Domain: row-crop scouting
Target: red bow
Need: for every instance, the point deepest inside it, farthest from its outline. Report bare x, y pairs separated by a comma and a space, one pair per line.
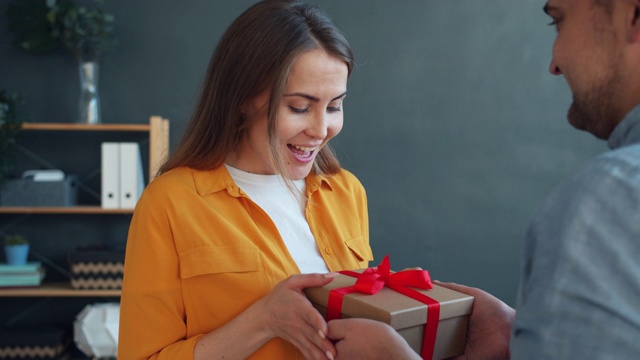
373, 280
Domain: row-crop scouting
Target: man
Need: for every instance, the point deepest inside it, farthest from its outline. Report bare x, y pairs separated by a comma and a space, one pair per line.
579, 294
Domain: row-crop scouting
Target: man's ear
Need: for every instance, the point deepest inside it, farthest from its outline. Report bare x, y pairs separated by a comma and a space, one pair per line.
633, 32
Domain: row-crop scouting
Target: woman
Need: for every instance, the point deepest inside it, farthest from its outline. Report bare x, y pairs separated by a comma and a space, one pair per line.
253, 206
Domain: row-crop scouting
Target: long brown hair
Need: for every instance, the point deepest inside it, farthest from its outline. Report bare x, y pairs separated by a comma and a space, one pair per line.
255, 53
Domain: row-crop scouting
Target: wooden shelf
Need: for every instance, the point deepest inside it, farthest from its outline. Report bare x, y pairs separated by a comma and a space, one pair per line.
62, 210
157, 128
55, 290
85, 127
158, 132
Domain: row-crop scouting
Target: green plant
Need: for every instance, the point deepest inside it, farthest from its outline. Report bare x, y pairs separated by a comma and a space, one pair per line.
40, 25
15, 240
10, 125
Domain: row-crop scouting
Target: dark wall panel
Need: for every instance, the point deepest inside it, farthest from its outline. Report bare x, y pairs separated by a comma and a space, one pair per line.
452, 121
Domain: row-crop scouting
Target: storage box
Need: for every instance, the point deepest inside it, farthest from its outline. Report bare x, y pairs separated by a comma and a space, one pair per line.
406, 315
33, 343
26, 192
98, 269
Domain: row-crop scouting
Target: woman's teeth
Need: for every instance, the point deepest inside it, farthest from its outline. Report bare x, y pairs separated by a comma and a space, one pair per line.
301, 152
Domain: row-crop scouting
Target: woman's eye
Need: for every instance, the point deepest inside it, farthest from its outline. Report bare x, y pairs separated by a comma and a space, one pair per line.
334, 109
298, 110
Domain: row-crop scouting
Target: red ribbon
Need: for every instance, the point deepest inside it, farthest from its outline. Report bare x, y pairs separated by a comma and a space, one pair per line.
373, 280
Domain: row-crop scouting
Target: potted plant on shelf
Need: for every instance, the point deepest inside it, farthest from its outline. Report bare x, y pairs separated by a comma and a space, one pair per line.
16, 249
10, 125
87, 33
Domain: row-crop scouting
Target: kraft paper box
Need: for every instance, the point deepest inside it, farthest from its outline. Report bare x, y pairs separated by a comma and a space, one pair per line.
41, 342
406, 315
96, 269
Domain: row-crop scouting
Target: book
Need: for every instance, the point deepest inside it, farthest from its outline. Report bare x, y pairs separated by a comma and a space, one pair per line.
28, 267
21, 275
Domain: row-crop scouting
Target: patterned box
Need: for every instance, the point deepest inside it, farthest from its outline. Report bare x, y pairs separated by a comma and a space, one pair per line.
32, 344
96, 270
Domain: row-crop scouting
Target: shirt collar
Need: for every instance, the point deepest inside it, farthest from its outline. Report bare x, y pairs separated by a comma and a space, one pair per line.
211, 181
218, 179
314, 182
628, 130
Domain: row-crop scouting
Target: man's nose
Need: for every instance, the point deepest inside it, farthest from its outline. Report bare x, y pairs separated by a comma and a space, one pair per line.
554, 69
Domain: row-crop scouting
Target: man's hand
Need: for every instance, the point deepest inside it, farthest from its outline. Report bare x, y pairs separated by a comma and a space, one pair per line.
368, 340
489, 325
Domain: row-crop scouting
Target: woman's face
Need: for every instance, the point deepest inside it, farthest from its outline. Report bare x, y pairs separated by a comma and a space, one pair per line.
308, 116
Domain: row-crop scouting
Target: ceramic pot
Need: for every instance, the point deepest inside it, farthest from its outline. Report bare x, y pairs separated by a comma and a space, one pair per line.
16, 254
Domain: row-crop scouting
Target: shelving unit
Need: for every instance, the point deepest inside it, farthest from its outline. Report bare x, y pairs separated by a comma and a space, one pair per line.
56, 289
62, 210
158, 129
86, 127
158, 136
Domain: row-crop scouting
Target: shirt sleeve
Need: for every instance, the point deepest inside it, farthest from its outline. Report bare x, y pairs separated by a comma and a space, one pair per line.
580, 287
152, 313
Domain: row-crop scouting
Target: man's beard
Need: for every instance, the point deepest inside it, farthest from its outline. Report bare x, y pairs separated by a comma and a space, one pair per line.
595, 111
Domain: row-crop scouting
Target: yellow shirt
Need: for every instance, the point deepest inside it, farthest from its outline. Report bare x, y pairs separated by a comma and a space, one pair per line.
200, 252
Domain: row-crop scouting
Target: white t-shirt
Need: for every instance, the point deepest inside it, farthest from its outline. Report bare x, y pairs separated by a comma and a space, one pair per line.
287, 212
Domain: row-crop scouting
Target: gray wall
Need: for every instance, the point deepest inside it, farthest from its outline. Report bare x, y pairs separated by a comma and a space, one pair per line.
452, 123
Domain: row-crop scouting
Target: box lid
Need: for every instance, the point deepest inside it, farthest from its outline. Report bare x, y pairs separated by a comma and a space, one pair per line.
96, 256
391, 307
31, 336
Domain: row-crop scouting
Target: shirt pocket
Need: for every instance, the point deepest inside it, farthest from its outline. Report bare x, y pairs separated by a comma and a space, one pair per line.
205, 260
360, 249
218, 283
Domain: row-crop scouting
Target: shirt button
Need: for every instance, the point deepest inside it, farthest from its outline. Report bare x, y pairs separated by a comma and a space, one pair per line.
328, 251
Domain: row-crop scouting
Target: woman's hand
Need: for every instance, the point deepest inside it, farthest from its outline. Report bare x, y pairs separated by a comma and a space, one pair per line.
291, 316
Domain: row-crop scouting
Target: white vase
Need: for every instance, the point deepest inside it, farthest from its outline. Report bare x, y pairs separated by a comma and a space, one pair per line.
89, 104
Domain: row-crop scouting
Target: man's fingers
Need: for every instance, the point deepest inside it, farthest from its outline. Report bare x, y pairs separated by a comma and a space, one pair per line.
338, 329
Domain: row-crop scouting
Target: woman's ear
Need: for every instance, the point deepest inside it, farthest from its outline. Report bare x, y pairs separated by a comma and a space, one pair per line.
256, 105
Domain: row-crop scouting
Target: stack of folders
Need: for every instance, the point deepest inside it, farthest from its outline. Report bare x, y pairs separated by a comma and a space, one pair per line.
30, 274
122, 175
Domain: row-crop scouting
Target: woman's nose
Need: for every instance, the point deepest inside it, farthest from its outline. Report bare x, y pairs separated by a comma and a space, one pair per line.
318, 126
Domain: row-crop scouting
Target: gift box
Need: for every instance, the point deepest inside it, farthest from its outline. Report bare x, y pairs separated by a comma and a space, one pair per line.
97, 269
408, 316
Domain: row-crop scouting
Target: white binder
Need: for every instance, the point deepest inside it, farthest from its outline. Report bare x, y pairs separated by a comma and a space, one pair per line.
131, 175
110, 192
